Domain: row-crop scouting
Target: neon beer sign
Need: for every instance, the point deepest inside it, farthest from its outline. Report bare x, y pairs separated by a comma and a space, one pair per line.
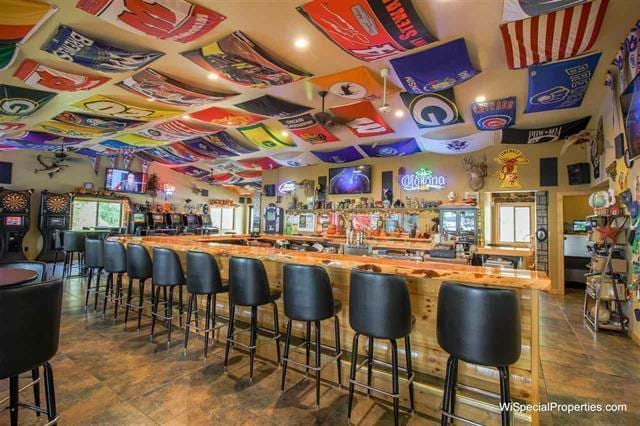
422, 180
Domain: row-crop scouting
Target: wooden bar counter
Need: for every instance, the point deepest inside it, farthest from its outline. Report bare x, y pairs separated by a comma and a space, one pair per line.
424, 280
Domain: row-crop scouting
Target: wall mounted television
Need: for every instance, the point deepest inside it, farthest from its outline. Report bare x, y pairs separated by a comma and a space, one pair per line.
630, 105
120, 180
350, 180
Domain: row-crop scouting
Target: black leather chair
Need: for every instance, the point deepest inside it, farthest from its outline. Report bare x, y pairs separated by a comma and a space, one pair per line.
73, 245
380, 308
203, 278
30, 318
58, 248
115, 262
167, 274
249, 286
308, 297
94, 262
38, 267
139, 267
478, 325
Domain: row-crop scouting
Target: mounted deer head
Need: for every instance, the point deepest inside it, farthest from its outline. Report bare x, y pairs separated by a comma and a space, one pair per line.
477, 171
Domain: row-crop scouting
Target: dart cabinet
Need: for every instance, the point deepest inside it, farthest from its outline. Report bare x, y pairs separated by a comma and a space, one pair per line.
15, 211
55, 215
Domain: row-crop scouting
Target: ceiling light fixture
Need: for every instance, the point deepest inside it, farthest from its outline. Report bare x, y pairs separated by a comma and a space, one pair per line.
301, 43
186, 116
399, 113
481, 99
284, 133
212, 76
150, 99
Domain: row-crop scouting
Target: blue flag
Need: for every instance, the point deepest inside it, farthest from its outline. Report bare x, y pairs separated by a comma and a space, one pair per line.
344, 155
393, 149
494, 115
561, 84
435, 69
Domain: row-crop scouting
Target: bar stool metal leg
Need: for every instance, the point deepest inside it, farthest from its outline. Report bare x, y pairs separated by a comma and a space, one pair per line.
232, 314
369, 364
50, 393
318, 353
95, 304
170, 318
188, 323
504, 394
308, 346
118, 296
352, 375
108, 289
35, 377
276, 330
252, 340
207, 323
88, 290
287, 342
140, 301
128, 301
154, 310
13, 400
407, 351
395, 386
338, 350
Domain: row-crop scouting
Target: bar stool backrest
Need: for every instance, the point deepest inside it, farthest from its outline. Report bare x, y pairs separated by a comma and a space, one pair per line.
167, 269
139, 264
38, 267
379, 305
30, 318
73, 241
115, 257
307, 293
480, 325
248, 282
94, 253
203, 274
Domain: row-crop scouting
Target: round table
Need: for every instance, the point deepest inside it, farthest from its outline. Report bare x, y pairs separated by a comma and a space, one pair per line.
14, 276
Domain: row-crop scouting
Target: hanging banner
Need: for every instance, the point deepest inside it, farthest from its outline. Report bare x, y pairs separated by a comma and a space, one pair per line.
449, 65
137, 140
343, 155
544, 134
513, 10
126, 158
494, 115
356, 83
263, 163
207, 149
165, 157
10, 128
75, 47
557, 35
154, 85
295, 159
369, 29
226, 117
226, 142
227, 178
103, 105
228, 167
251, 175
362, 119
308, 129
95, 122
430, 110
272, 107
112, 160
174, 20
42, 77
193, 171
627, 59
393, 149
71, 130
238, 59
509, 161
180, 150
10, 144
95, 163
47, 138
18, 102
461, 145
8, 54
116, 146
261, 136
561, 84
176, 130
145, 166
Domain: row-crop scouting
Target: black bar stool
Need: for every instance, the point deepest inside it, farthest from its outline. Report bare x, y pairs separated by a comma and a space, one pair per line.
308, 297
380, 308
94, 262
167, 273
38, 305
139, 267
58, 248
249, 286
115, 262
73, 244
203, 277
478, 325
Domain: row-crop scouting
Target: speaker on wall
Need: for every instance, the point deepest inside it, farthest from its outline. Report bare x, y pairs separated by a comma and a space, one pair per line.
241, 200
204, 192
549, 171
579, 173
322, 192
269, 190
5, 172
387, 185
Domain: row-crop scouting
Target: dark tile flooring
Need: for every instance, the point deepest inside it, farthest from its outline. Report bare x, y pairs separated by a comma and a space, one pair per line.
106, 374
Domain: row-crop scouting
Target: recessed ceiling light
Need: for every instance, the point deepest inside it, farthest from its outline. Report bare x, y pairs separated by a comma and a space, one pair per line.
481, 99
284, 133
212, 76
150, 99
301, 43
186, 116
399, 113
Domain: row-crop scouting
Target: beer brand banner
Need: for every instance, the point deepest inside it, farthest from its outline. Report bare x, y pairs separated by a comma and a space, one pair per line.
430, 110
226, 117
176, 130
95, 122
207, 149
513, 10
193, 171
42, 77
494, 115
561, 84
18, 102
369, 29
262, 163
461, 145
362, 119
393, 149
72, 130
356, 83
261, 136
343, 155
137, 140
544, 134
175, 20
272, 107
155, 85
295, 159
103, 105
238, 59
308, 129
75, 47
166, 157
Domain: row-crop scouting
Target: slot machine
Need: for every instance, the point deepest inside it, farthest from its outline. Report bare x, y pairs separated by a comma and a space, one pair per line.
273, 219
190, 222
138, 223
15, 213
206, 221
156, 221
54, 215
174, 220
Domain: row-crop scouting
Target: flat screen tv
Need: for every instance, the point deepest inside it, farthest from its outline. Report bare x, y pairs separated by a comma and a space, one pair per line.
120, 180
630, 104
350, 180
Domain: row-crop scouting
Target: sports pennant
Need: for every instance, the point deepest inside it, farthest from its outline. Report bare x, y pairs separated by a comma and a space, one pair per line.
176, 130
162, 156
362, 119
226, 117
272, 107
513, 10
494, 115
251, 175
43, 77
261, 136
263, 163
393, 149
449, 65
356, 83
461, 145
238, 59
145, 166
112, 159
96, 122
544, 134
126, 158
180, 150
295, 159
137, 140
216, 179
207, 149
156, 86
111, 146
95, 163
8, 54
174, 20
369, 29
225, 141
343, 155
308, 129
103, 105
561, 84
557, 35
18, 102
193, 171
430, 110
627, 59
72, 46
71, 130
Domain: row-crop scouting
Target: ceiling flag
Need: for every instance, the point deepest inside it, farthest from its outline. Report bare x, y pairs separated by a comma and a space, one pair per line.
512, 10
355, 83
308, 129
544, 134
43, 77
392, 149
272, 107
343, 155
430, 110
461, 145
494, 115
263, 137
362, 119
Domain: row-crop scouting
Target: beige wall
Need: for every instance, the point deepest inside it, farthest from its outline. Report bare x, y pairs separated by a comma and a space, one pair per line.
576, 207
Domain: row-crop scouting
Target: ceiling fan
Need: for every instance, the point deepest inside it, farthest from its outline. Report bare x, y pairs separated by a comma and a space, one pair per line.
61, 154
384, 106
324, 117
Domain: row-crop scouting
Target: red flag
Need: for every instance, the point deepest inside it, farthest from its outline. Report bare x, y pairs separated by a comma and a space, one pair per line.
362, 119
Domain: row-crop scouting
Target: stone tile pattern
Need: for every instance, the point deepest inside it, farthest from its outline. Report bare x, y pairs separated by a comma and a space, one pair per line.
542, 221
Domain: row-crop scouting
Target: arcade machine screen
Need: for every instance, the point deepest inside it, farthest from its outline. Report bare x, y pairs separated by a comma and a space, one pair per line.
13, 220
192, 221
206, 220
139, 218
158, 220
56, 222
176, 220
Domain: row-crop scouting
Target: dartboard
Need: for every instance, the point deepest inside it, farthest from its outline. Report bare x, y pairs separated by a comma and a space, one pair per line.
57, 204
14, 202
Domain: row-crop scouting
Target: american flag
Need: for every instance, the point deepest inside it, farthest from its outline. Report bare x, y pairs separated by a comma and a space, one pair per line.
557, 35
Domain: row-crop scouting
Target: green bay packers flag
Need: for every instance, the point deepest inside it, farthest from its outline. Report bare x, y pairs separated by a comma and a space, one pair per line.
17, 102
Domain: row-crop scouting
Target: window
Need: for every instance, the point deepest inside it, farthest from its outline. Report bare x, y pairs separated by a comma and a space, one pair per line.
222, 218
92, 214
514, 223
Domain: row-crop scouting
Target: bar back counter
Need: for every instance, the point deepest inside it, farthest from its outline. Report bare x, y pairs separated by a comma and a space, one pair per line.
476, 383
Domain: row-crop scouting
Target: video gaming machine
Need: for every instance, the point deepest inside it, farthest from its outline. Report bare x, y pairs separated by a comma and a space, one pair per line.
174, 220
273, 218
55, 216
138, 223
15, 212
190, 222
156, 220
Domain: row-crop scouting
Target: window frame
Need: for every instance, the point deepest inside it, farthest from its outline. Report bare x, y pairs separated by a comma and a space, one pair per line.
496, 224
218, 210
97, 216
